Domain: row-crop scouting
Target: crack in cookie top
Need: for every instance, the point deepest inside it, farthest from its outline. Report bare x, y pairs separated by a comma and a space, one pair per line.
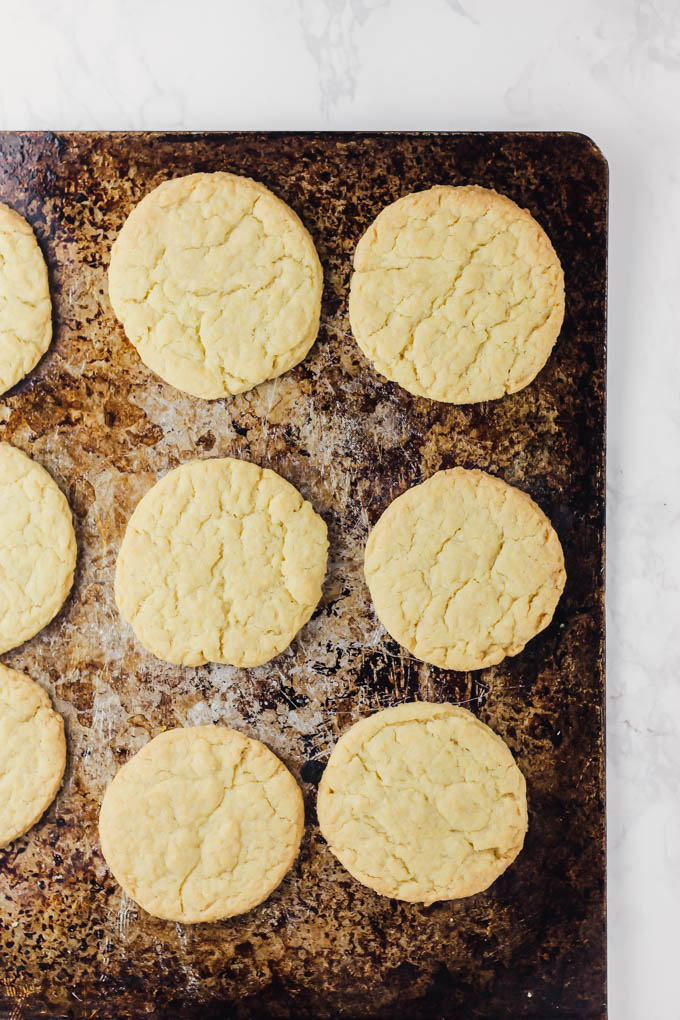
217, 284
457, 294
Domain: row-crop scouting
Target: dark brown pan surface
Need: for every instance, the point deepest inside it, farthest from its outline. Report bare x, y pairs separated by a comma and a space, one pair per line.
106, 428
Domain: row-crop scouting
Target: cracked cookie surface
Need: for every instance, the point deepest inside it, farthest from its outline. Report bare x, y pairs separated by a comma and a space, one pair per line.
25, 306
32, 753
464, 569
222, 561
37, 547
423, 802
217, 284
457, 294
202, 823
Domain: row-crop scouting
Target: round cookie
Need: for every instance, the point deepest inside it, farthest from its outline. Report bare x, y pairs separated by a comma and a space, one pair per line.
201, 824
32, 754
217, 284
457, 295
37, 548
25, 306
423, 802
222, 561
464, 569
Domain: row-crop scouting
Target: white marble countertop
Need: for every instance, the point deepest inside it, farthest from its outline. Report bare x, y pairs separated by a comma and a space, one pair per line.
608, 68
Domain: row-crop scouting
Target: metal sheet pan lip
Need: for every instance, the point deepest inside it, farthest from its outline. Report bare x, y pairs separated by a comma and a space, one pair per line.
344, 133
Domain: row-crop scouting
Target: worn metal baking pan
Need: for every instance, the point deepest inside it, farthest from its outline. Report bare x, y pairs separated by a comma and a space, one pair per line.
533, 945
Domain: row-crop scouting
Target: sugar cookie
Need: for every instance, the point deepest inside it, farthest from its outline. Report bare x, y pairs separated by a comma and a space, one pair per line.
464, 569
457, 295
201, 824
423, 802
217, 284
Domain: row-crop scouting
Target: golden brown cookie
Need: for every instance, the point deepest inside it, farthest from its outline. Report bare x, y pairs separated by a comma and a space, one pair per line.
32, 753
222, 561
423, 802
25, 306
201, 824
217, 284
37, 547
464, 569
457, 294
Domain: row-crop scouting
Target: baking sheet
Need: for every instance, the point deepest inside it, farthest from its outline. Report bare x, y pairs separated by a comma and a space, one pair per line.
71, 944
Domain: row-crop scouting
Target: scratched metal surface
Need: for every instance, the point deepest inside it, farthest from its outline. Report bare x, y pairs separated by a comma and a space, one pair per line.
70, 944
